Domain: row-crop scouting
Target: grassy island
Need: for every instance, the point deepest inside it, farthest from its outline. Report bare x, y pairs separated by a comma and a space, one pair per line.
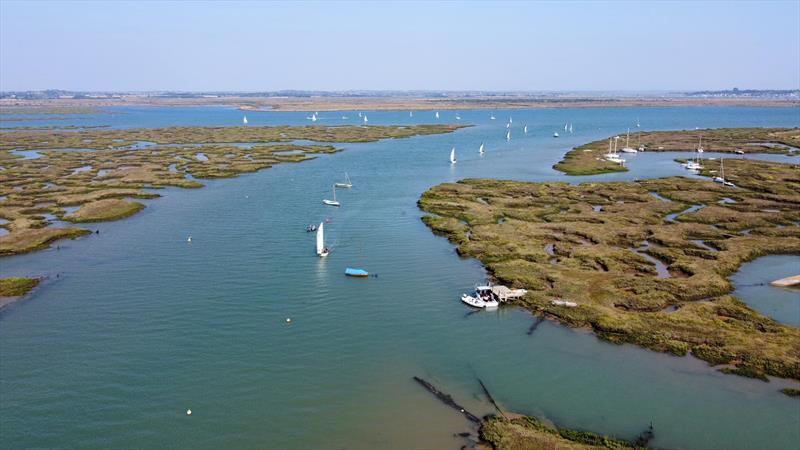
529, 433
647, 261
588, 159
16, 287
90, 175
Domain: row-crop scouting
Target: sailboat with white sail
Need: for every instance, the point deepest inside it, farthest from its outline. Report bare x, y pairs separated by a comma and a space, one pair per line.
612, 155
244, 120
347, 183
508, 135
721, 177
565, 126
453, 156
332, 202
314, 117
492, 117
322, 251
700, 145
480, 149
365, 119
437, 114
570, 127
525, 129
411, 114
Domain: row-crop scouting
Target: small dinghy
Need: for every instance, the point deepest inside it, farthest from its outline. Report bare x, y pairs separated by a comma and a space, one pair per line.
322, 250
311, 228
350, 272
483, 297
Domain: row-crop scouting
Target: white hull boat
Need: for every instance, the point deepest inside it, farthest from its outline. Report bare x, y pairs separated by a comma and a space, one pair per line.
347, 183
332, 202
483, 297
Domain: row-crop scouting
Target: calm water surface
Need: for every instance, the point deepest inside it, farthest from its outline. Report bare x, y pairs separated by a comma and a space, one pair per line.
142, 325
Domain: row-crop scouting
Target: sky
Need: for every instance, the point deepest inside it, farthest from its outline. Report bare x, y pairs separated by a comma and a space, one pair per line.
512, 46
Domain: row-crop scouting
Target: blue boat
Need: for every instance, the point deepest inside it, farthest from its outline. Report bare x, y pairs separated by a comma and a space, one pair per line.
350, 272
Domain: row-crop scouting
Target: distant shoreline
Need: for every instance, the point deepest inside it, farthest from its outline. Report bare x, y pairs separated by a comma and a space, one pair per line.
326, 103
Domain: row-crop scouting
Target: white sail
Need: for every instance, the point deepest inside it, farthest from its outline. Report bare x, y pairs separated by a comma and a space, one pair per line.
508, 125
570, 128
508, 135
244, 120
510, 120
359, 114
525, 129
320, 238
637, 123
314, 117
480, 150
453, 156
411, 114
492, 117
437, 114
565, 126
365, 118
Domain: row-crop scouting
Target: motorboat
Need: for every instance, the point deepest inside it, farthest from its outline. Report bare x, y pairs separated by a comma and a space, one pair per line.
350, 272
483, 297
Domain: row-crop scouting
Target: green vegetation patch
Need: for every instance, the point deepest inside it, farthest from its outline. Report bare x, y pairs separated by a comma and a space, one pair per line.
636, 276
16, 287
104, 210
529, 433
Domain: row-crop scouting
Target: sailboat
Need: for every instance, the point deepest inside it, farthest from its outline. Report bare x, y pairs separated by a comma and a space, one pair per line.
480, 149
332, 202
365, 119
411, 114
453, 156
347, 183
360, 115
627, 148
639, 141
492, 117
525, 129
555, 135
570, 127
613, 156
721, 177
700, 145
437, 114
508, 124
314, 117
458, 117
565, 126
510, 120
508, 135
322, 251
244, 120
637, 123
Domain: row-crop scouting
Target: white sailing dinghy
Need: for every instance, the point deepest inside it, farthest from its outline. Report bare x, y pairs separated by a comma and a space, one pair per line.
700, 145
314, 117
244, 120
565, 126
492, 117
510, 120
411, 114
453, 156
365, 119
458, 117
347, 183
322, 251
570, 127
508, 135
332, 202
525, 129
480, 149
437, 114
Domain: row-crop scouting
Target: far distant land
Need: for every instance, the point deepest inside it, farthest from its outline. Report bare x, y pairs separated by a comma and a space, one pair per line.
400, 100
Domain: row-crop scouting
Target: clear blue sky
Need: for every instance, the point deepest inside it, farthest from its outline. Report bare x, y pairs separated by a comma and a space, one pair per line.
251, 46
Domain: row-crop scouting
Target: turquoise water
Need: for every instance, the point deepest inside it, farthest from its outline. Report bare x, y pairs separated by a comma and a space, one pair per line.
752, 286
141, 325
